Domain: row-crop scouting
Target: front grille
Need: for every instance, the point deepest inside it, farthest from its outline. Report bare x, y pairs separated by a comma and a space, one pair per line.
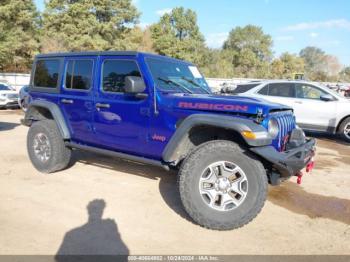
286, 123
12, 103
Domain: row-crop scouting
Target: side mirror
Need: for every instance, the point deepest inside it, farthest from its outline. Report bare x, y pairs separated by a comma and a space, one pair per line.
327, 98
134, 85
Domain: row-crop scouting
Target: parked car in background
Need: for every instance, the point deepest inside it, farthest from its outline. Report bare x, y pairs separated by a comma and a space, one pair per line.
8, 96
347, 92
24, 98
227, 86
316, 107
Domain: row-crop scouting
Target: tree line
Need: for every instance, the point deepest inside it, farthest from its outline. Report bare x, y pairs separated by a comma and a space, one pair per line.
80, 25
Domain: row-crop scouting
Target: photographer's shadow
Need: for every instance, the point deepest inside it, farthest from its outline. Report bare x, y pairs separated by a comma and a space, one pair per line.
96, 237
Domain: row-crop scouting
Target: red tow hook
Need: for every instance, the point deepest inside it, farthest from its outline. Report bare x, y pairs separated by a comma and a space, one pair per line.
310, 166
299, 176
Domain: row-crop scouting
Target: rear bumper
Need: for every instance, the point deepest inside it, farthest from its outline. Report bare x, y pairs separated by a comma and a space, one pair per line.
290, 162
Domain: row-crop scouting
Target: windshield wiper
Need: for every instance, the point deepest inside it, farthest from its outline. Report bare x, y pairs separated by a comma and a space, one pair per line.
168, 81
195, 84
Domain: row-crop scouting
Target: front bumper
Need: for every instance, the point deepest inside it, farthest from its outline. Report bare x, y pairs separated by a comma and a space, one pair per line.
9, 103
290, 162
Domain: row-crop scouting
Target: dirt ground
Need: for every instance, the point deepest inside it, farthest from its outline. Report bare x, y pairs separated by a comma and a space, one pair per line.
142, 213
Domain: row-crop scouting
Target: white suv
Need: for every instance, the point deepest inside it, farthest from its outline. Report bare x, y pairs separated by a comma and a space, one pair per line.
316, 107
8, 96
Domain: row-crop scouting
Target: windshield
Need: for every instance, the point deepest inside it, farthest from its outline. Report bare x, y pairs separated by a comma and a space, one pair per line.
329, 90
4, 87
172, 76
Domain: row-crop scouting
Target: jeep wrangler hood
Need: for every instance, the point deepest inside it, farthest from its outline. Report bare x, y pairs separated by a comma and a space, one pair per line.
212, 102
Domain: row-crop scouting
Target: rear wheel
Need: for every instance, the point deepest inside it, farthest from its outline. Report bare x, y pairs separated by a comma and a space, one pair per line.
222, 187
46, 148
344, 130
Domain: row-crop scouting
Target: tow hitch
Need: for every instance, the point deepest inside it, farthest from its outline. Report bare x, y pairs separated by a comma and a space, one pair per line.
299, 176
309, 167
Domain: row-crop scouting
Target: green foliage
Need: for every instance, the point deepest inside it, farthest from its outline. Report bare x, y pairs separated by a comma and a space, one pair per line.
77, 25
177, 35
91, 24
18, 34
314, 58
250, 50
345, 74
219, 64
146, 43
250, 38
286, 65
314, 62
319, 66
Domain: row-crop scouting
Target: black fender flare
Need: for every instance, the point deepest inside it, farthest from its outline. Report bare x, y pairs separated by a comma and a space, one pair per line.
55, 111
173, 151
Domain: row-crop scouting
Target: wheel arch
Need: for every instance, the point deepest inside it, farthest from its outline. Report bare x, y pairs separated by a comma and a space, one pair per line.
40, 110
340, 122
200, 128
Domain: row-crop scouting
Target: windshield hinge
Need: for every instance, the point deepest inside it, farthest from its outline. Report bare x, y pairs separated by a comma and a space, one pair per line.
259, 116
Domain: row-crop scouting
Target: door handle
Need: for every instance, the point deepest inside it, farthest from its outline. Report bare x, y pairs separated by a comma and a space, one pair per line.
67, 101
298, 102
101, 105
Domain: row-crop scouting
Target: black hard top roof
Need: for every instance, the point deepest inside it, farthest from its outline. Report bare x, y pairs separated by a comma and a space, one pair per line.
110, 53
90, 53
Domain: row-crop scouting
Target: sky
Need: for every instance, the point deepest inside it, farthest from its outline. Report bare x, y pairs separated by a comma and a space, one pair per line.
293, 24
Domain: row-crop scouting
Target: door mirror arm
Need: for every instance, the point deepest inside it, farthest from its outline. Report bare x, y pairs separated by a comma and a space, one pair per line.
141, 95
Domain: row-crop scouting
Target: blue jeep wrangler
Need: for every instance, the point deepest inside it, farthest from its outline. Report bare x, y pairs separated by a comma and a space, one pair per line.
160, 111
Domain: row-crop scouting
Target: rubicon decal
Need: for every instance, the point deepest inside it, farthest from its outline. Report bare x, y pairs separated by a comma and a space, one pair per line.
207, 106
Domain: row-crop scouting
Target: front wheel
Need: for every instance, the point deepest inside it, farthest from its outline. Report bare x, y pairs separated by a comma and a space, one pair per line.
221, 186
46, 148
344, 130
23, 104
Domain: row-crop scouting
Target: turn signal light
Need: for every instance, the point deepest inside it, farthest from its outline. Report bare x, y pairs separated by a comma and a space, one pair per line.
248, 134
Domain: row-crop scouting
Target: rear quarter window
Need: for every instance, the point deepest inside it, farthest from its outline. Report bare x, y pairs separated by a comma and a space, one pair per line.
244, 88
47, 73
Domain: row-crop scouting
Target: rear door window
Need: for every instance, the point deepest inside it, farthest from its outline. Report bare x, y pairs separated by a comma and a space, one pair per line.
281, 89
46, 73
264, 91
244, 88
79, 74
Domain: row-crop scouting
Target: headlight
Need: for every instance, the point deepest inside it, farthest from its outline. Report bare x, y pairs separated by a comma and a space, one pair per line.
273, 128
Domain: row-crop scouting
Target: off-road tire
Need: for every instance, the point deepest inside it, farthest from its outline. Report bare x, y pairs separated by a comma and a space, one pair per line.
188, 182
60, 154
345, 123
